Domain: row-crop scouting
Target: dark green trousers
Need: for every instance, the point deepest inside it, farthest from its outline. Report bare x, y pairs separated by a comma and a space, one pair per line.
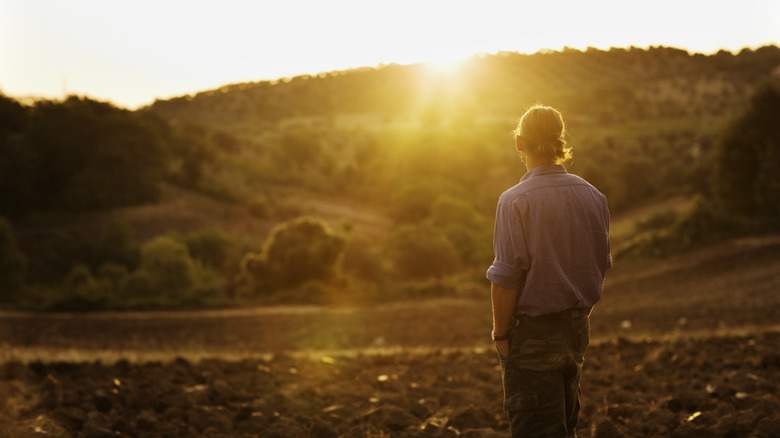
541, 374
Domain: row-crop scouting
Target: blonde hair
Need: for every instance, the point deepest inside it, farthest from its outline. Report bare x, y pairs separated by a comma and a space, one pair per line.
543, 133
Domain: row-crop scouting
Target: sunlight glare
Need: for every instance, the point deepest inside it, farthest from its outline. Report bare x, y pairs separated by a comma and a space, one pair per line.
444, 67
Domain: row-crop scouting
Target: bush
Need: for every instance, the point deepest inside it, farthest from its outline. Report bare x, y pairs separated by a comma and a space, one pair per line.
421, 251
361, 259
209, 247
302, 249
137, 286
447, 210
113, 274
117, 245
82, 292
169, 267
412, 202
78, 276
474, 246
705, 223
296, 251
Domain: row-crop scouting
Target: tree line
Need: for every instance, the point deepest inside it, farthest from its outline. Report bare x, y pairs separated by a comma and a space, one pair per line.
81, 154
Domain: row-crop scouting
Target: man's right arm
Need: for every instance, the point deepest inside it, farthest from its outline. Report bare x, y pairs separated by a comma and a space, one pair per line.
508, 269
503, 300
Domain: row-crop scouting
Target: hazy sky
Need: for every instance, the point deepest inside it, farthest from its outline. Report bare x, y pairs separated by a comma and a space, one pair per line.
131, 52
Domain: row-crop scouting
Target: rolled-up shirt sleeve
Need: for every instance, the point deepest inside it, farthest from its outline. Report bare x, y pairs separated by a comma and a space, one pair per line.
511, 263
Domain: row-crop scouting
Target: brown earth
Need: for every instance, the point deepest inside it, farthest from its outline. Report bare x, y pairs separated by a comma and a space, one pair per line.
683, 347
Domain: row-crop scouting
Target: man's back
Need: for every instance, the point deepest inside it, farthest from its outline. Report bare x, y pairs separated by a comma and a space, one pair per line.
551, 241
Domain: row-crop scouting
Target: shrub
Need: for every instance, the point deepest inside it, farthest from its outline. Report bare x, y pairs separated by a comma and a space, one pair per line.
208, 246
412, 203
474, 246
137, 286
113, 274
421, 251
117, 245
468, 230
78, 276
82, 292
361, 259
705, 223
447, 210
296, 251
302, 249
253, 276
169, 266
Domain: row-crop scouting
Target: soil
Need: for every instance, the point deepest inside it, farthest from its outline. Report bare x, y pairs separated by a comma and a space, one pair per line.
682, 347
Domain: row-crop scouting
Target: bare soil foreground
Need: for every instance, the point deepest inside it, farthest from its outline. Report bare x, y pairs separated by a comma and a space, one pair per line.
684, 347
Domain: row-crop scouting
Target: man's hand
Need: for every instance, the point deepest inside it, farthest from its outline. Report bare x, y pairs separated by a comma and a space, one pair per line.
503, 347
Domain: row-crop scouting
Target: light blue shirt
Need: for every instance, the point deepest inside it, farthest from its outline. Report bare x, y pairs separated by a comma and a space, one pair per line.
551, 242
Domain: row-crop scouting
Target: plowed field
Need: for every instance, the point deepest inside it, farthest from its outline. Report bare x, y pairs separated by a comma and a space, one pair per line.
684, 347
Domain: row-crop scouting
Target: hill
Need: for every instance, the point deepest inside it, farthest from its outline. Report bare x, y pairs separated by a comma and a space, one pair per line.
378, 155
358, 132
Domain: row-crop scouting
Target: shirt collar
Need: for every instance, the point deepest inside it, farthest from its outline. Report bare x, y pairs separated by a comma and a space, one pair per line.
544, 170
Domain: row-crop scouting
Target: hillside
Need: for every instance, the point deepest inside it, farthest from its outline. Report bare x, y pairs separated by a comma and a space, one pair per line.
97, 196
357, 132
657, 83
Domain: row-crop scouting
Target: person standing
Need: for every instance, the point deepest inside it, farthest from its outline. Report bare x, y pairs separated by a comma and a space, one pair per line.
551, 246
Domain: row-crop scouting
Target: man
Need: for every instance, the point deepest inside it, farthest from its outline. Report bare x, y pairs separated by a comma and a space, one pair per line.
551, 247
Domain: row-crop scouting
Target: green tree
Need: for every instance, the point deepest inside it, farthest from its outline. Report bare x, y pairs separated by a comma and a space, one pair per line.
91, 154
746, 176
11, 263
17, 160
193, 150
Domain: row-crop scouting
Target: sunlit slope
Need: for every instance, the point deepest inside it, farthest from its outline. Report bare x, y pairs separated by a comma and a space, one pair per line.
619, 84
642, 123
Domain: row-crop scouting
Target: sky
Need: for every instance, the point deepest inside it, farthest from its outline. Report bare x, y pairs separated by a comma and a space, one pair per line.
133, 52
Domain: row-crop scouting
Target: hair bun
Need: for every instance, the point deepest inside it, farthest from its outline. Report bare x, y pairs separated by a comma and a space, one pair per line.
544, 133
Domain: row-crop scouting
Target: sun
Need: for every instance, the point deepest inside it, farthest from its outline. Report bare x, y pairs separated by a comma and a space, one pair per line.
444, 67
